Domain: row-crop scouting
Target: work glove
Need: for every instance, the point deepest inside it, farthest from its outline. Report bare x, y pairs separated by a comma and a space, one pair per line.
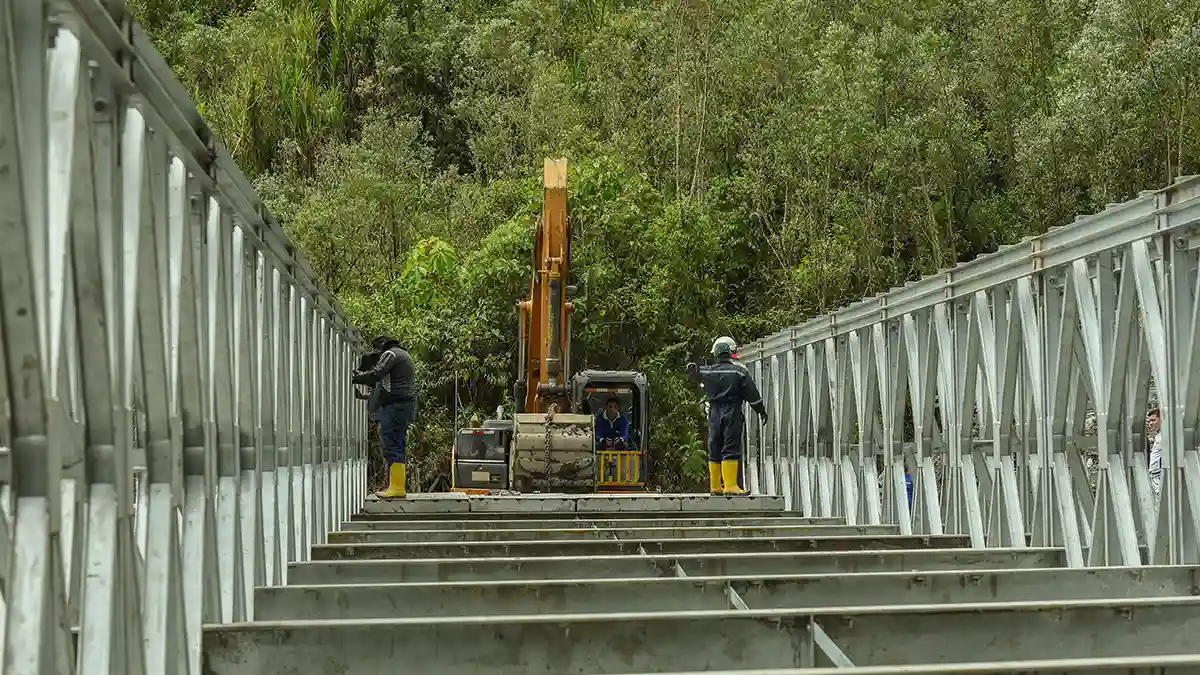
762, 418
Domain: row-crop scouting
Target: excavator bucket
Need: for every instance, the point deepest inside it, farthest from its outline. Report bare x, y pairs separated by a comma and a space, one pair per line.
553, 453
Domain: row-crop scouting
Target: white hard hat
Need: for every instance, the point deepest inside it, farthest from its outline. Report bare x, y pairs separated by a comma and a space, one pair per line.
724, 345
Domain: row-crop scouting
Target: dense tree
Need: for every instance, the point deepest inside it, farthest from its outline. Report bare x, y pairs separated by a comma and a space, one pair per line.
737, 165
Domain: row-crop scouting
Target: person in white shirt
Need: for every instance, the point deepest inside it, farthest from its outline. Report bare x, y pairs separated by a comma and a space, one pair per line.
1152, 429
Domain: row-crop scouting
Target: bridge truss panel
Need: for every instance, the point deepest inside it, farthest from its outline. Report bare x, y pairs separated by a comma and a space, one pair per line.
171, 372
1011, 391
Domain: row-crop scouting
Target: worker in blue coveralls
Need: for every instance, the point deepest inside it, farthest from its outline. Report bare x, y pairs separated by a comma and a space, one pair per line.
728, 386
612, 427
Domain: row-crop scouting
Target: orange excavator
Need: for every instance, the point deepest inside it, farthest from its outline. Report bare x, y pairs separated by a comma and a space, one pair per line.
549, 444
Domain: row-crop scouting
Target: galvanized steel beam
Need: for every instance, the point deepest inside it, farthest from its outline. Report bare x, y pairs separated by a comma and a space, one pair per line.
633, 566
491, 549
155, 461
674, 593
362, 524
1159, 665
585, 532
665, 641
1010, 390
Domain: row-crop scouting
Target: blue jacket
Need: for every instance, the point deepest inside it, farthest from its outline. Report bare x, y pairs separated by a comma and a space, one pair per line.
618, 428
727, 383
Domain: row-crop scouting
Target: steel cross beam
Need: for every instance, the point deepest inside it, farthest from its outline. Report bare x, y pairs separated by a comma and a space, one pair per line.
1011, 391
169, 366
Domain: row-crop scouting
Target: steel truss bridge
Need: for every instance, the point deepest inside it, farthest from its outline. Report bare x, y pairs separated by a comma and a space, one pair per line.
182, 463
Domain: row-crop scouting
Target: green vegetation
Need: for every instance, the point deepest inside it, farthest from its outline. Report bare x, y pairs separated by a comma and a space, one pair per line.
737, 165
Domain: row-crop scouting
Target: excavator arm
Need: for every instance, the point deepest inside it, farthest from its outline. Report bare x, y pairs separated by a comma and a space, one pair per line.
545, 317
552, 447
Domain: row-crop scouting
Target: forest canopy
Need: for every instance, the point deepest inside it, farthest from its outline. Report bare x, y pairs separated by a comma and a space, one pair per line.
736, 165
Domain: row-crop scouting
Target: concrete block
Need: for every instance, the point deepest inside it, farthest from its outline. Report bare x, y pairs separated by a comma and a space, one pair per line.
419, 503
589, 596
640, 567
663, 642
523, 504
582, 531
658, 503
489, 549
744, 504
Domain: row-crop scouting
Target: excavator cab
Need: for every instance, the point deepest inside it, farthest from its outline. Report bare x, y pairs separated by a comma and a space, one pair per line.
486, 460
621, 467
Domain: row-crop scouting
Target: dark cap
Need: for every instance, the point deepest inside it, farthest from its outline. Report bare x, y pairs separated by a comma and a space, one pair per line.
384, 341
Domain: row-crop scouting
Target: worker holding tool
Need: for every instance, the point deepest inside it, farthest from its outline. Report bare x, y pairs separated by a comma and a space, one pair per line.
393, 394
727, 385
365, 392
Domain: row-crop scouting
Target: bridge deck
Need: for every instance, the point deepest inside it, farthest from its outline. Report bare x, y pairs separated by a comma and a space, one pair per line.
591, 591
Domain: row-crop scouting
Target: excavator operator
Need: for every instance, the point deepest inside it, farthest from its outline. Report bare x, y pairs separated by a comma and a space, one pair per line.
612, 426
728, 385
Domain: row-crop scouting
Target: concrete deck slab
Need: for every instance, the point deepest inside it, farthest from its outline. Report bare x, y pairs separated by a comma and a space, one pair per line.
641, 567
455, 502
487, 549
675, 641
585, 532
482, 522
378, 601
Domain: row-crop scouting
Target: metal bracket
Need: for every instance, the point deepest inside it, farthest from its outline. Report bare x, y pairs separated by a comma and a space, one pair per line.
827, 646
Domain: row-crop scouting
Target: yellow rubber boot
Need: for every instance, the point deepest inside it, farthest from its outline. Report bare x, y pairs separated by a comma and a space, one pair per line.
714, 478
396, 477
729, 470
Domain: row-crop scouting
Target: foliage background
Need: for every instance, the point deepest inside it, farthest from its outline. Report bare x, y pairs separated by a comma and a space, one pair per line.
736, 165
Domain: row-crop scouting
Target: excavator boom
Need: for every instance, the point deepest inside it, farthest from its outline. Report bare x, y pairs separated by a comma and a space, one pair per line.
546, 342
552, 447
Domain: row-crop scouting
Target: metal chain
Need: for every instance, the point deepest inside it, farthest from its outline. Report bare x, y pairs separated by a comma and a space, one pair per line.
549, 418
